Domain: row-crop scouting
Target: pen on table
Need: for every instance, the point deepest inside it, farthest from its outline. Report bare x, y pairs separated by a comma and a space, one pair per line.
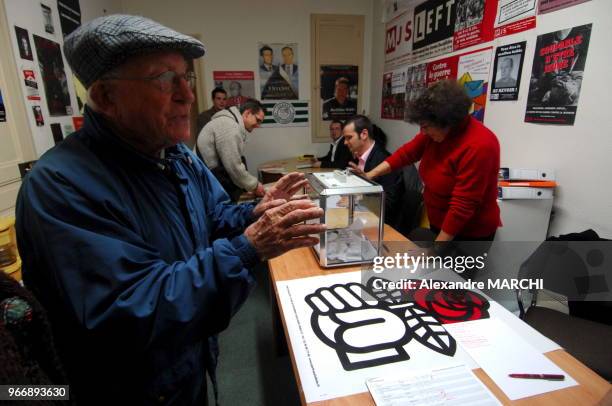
550, 377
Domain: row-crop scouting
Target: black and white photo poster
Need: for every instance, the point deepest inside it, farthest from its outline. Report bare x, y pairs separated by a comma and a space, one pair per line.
278, 71
54, 77
23, 43
47, 15
556, 76
507, 69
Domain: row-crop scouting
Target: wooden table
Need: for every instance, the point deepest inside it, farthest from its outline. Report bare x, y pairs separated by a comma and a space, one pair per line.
300, 263
271, 171
290, 165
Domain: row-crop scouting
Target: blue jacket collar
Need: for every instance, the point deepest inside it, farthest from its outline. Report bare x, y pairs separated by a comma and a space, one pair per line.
96, 126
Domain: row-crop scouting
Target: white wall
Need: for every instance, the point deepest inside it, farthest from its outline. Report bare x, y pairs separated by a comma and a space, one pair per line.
91, 9
580, 154
231, 29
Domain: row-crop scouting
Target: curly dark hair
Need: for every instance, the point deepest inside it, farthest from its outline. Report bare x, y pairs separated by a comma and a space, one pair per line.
444, 104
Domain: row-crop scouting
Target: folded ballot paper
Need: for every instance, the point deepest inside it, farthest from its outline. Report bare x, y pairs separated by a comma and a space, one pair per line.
452, 385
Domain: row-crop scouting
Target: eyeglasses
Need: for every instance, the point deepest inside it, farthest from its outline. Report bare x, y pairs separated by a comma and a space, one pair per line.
167, 82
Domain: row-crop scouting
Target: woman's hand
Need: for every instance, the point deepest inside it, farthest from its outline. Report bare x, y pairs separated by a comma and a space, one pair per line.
357, 171
382, 169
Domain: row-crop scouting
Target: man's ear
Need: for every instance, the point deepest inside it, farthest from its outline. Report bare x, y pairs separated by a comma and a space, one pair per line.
364, 134
101, 94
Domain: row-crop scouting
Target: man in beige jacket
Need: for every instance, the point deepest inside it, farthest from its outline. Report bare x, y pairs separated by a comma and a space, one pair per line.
221, 144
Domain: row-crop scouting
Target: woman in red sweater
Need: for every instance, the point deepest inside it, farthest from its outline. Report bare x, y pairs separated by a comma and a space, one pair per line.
459, 164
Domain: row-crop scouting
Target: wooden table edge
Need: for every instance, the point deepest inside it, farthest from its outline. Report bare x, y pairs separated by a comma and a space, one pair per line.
594, 391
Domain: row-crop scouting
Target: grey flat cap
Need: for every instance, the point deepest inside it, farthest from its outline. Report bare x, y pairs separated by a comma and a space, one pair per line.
106, 42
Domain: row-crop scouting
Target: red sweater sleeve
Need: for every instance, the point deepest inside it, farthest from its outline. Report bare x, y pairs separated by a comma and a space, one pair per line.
470, 185
409, 153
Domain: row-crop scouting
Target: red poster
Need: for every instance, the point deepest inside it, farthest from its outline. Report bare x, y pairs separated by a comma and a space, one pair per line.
516, 27
239, 85
442, 69
78, 123
474, 23
31, 85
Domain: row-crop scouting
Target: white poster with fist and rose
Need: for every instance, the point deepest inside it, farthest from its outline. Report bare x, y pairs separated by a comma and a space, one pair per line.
344, 330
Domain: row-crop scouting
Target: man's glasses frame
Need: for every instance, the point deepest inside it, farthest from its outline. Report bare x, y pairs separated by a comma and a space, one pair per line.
167, 82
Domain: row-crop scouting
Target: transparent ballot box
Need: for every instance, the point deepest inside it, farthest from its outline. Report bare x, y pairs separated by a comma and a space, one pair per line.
353, 208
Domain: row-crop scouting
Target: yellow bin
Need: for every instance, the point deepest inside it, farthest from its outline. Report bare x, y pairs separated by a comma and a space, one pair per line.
10, 262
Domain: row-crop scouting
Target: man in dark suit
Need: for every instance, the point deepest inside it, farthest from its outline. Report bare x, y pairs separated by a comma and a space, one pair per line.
358, 137
339, 155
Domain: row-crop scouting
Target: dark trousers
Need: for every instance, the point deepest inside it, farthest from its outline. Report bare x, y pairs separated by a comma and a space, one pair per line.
466, 247
224, 179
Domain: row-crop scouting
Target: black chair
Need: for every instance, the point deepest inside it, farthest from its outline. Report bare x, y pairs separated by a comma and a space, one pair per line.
411, 204
568, 270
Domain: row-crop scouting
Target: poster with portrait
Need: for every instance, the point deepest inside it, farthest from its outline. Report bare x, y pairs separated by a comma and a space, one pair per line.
393, 97
556, 76
31, 85
54, 77
507, 69
2, 109
339, 91
23, 43
70, 15
278, 71
514, 16
239, 85
47, 17
548, 6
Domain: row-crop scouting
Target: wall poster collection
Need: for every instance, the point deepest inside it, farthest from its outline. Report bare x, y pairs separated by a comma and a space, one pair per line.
47, 83
420, 32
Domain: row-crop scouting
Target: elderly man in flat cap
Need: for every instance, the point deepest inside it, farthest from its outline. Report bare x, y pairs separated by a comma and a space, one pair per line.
127, 238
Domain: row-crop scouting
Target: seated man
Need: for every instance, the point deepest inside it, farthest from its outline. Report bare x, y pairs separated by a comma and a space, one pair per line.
221, 144
358, 136
339, 155
128, 240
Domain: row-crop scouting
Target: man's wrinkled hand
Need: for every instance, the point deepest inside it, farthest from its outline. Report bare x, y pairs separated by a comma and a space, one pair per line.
281, 228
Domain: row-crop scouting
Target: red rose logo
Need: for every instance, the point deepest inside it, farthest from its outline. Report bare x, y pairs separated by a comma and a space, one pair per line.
450, 306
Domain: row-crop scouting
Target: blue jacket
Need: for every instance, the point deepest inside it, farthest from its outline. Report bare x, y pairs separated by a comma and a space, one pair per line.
139, 261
